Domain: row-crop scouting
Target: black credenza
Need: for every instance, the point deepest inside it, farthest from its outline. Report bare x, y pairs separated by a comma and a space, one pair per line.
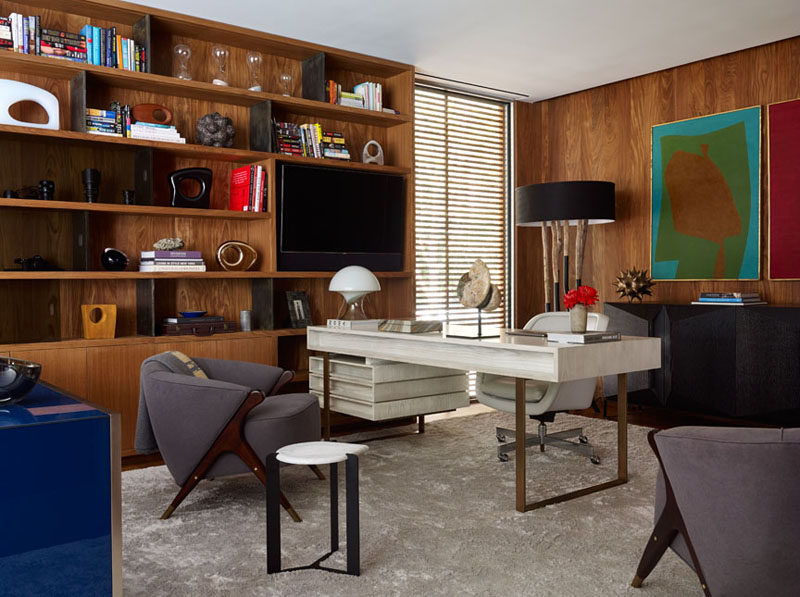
735, 361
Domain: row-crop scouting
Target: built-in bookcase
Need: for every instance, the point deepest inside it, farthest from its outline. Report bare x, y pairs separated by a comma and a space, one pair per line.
40, 318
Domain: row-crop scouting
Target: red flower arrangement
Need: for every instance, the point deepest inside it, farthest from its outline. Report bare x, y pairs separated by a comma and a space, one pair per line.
585, 295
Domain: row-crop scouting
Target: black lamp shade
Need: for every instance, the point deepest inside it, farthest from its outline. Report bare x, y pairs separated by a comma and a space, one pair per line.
591, 200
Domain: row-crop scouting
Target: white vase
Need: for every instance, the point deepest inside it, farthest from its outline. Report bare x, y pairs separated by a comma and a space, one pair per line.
577, 319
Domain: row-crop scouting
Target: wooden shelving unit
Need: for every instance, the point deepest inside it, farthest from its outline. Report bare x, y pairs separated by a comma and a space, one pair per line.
40, 319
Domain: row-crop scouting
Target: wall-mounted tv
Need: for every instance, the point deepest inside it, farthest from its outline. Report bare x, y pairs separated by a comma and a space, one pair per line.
328, 218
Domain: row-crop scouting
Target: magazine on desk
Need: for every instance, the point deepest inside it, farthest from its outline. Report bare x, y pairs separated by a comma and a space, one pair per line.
584, 338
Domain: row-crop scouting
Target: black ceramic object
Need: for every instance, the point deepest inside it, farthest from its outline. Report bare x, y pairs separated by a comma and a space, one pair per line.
10, 194
91, 184
114, 260
128, 197
216, 130
17, 378
37, 263
47, 189
202, 176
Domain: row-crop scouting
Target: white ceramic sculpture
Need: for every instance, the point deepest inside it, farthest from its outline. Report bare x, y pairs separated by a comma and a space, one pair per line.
12, 92
368, 158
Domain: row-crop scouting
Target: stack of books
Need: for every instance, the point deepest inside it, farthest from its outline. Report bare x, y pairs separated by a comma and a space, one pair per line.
92, 45
729, 299
113, 123
154, 132
343, 98
248, 189
171, 261
583, 338
288, 138
310, 140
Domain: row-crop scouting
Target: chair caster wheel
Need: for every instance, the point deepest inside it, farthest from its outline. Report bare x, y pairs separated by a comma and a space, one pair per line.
583, 439
502, 457
500, 437
594, 460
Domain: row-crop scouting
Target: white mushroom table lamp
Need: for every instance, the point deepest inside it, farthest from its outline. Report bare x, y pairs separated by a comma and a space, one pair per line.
354, 283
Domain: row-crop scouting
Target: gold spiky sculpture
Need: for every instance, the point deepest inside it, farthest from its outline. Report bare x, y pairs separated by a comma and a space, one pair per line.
634, 284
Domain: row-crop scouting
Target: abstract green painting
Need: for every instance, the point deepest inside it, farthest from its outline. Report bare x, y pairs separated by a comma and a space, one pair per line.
706, 195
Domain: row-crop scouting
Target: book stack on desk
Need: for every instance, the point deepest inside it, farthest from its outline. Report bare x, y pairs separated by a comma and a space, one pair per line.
583, 338
729, 299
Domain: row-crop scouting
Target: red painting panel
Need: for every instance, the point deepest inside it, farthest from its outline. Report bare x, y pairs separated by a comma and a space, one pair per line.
784, 190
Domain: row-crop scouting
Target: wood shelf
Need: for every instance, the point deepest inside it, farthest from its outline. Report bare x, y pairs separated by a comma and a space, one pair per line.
134, 275
331, 274
117, 77
178, 149
131, 275
173, 23
134, 340
185, 149
134, 210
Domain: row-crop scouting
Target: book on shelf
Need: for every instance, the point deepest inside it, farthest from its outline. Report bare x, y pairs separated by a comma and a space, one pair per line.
755, 299
358, 324
171, 262
732, 295
372, 94
171, 255
410, 326
583, 338
730, 303
248, 189
203, 319
100, 46
310, 140
172, 268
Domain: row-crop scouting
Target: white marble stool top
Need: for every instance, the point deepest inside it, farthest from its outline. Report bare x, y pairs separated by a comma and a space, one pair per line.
318, 452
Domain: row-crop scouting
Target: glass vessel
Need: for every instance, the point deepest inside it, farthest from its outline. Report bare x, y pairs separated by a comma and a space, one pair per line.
220, 54
180, 63
254, 61
286, 79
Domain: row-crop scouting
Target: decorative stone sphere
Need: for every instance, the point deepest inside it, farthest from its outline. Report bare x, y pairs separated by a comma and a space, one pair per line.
215, 130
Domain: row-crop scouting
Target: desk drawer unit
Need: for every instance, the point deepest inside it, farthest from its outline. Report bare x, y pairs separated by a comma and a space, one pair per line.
377, 389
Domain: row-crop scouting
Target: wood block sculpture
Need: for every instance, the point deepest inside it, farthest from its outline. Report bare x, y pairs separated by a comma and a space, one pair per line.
99, 321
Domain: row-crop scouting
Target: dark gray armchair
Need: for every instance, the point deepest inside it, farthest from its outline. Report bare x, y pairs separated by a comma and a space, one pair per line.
226, 424
728, 503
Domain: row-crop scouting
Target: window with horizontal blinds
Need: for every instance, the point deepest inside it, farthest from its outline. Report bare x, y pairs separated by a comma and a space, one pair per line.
461, 177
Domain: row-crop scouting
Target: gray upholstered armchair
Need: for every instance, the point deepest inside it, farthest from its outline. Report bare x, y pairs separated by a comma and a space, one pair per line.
727, 503
226, 424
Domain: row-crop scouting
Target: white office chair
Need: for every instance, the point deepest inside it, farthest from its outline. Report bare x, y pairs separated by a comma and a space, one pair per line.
543, 399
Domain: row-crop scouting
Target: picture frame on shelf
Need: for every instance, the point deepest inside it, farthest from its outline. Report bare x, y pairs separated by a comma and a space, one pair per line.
706, 197
299, 309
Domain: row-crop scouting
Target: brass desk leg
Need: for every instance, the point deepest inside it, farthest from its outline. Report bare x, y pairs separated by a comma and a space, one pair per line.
326, 396
519, 434
622, 450
622, 427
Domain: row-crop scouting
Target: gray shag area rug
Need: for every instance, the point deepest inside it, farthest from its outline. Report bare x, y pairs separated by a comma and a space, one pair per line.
437, 518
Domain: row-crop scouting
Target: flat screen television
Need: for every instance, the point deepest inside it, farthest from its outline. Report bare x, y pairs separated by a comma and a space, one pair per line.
328, 218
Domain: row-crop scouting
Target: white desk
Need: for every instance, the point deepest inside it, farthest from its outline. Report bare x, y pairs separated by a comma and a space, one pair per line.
521, 357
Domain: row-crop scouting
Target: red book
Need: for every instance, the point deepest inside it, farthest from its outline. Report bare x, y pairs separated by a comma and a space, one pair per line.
240, 188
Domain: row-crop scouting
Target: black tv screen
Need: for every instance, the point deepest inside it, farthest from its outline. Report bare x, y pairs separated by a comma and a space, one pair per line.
329, 218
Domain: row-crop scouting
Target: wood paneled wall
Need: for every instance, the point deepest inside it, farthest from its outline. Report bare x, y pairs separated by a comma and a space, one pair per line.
604, 134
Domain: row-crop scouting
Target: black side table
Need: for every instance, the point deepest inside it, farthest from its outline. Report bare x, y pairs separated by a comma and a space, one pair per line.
316, 453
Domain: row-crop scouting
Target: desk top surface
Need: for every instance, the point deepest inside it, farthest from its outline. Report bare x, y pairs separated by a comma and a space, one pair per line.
46, 404
513, 342
518, 356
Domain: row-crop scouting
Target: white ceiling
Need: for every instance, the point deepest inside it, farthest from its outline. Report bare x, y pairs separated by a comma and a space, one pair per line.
542, 48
